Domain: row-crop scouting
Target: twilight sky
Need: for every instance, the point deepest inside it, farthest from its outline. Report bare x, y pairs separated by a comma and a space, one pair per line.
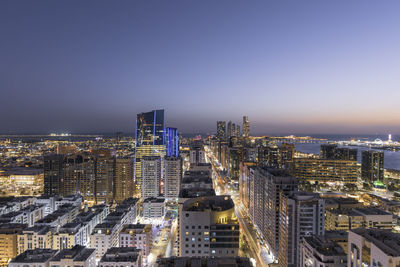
291, 66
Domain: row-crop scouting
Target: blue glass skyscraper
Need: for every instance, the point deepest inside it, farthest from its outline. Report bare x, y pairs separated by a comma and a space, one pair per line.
171, 142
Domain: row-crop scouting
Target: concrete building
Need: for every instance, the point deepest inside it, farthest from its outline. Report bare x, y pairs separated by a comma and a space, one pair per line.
123, 179
320, 251
9, 241
104, 236
373, 247
372, 166
126, 256
172, 176
151, 176
302, 214
35, 237
153, 208
69, 235
137, 235
208, 227
38, 257
76, 256
204, 262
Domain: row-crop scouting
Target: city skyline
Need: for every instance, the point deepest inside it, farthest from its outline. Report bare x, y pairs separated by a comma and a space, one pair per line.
291, 67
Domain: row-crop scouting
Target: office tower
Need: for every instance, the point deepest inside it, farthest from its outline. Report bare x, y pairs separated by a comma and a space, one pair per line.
267, 187
302, 214
325, 170
221, 130
246, 126
373, 247
149, 140
208, 227
53, 174
316, 251
197, 153
172, 176
123, 179
328, 151
372, 166
171, 142
151, 181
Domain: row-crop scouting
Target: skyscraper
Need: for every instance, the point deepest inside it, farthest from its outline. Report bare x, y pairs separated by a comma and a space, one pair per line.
221, 129
372, 166
149, 139
230, 128
53, 174
151, 180
171, 142
246, 126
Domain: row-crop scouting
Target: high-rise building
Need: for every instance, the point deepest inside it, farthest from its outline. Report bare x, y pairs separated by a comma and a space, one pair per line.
197, 153
123, 179
209, 227
265, 198
221, 130
172, 176
53, 174
332, 151
372, 166
230, 129
104, 173
172, 142
151, 181
246, 126
149, 140
328, 151
302, 214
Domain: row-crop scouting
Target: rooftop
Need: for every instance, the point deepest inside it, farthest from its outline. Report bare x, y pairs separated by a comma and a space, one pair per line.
77, 253
121, 254
37, 255
324, 246
213, 203
196, 192
154, 200
385, 240
204, 262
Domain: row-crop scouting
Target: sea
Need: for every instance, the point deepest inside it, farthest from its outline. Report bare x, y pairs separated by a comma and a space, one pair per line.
391, 159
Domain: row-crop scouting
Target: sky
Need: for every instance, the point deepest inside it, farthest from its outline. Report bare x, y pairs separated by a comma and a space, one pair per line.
290, 66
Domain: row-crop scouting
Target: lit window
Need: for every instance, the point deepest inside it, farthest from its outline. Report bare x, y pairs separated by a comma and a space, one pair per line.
206, 233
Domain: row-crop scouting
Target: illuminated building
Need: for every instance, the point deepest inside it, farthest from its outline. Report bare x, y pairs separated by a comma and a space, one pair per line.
373, 247
172, 176
317, 251
204, 261
325, 170
332, 151
197, 153
302, 214
76, 256
221, 130
171, 142
35, 237
9, 241
246, 127
265, 192
125, 256
104, 236
208, 227
123, 179
244, 182
104, 173
138, 236
69, 235
273, 156
231, 129
33, 258
151, 180
358, 217
53, 174
149, 139
372, 168
153, 208
28, 215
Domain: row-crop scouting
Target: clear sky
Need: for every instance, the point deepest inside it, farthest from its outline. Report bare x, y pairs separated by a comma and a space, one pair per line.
291, 66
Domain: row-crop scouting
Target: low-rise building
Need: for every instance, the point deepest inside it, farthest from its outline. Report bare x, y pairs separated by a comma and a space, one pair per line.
76, 256
137, 235
33, 258
373, 247
204, 262
320, 251
116, 257
9, 241
38, 236
104, 236
153, 208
